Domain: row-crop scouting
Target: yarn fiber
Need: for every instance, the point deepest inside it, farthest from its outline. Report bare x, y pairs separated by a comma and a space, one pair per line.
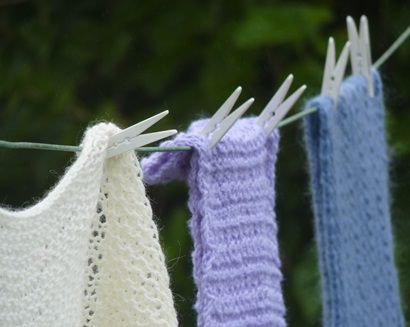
348, 163
233, 225
88, 253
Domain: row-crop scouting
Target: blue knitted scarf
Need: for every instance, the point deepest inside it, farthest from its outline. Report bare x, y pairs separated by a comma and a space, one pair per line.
349, 180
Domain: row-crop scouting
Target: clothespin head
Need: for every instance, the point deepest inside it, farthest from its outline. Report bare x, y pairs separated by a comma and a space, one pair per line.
283, 109
275, 110
274, 103
220, 123
221, 113
131, 138
360, 54
334, 72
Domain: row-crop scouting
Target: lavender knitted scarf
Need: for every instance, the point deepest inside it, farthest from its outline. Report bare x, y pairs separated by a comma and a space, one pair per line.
349, 179
231, 197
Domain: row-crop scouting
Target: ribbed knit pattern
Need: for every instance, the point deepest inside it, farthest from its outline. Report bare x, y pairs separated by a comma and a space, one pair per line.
88, 253
232, 198
349, 180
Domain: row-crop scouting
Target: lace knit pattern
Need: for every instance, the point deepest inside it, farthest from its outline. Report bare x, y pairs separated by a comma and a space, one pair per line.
349, 179
127, 281
55, 265
231, 197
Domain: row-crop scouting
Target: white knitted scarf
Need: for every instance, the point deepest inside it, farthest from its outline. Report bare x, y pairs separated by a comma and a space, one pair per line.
88, 254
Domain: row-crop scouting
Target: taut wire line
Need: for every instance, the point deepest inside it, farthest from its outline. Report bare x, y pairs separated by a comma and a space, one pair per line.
69, 148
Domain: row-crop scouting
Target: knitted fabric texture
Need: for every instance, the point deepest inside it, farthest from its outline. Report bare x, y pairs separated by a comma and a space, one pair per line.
349, 180
88, 253
231, 197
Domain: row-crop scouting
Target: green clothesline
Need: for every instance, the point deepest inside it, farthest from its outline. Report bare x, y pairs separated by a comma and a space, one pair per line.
70, 148
392, 48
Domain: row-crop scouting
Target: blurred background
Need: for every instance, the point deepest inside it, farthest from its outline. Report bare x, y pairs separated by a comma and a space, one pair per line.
67, 64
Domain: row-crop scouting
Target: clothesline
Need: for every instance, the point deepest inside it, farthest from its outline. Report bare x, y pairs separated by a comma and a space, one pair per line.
69, 148
392, 48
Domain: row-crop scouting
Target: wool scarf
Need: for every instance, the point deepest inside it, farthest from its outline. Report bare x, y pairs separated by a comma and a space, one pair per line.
233, 225
88, 253
348, 163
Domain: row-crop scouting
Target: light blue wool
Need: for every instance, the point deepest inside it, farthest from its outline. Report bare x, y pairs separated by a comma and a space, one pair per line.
348, 163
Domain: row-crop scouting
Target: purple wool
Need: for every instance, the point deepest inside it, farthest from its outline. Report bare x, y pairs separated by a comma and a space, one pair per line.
233, 225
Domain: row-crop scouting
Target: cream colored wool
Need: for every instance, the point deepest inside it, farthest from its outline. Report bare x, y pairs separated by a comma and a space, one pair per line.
88, 254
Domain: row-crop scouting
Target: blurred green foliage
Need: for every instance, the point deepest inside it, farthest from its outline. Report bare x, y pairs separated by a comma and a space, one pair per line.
67, 64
